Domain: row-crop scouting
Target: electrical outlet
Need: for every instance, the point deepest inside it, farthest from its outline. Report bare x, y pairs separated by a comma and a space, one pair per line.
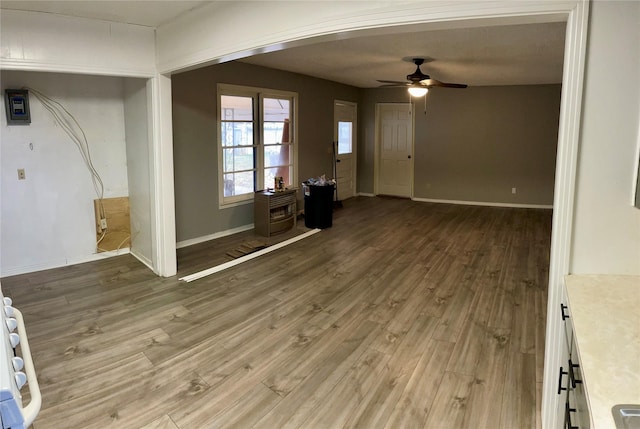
103, 223
513, 190
21, 174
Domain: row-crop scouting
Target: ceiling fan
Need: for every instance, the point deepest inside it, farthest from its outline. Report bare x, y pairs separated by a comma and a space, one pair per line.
419, 83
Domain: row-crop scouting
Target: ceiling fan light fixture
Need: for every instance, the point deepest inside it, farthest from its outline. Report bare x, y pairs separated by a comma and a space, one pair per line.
418, 91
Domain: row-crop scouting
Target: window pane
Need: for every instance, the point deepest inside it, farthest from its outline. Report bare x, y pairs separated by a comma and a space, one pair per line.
270, 173
276, 109
237, 159
238, 183
234, 108
254, 147
237, 133
277, 155
275, 119
344, 137
274, 132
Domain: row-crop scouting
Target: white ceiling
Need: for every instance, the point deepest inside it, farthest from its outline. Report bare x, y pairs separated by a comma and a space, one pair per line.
150, 13
497, 55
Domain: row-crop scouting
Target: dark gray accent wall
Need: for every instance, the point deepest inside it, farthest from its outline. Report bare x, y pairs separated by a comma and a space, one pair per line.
195, 152
475, 144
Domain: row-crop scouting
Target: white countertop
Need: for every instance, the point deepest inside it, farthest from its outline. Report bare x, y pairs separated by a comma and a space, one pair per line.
605, 312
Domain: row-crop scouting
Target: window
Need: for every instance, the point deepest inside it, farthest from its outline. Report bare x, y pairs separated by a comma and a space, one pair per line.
256, 141
344, 137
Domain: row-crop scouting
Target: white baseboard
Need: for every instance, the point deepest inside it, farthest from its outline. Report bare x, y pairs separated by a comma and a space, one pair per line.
198, 240
140, 257
484, 203
63, 262
245, 258
365, 194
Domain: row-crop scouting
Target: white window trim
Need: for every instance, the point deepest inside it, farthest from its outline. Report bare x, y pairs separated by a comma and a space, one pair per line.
259, 93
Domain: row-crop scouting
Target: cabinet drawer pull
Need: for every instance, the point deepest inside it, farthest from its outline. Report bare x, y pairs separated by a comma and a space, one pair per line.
562, 309
567, 416
572, 375
562, 372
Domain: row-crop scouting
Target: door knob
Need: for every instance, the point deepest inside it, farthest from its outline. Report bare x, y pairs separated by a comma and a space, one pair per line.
409, 156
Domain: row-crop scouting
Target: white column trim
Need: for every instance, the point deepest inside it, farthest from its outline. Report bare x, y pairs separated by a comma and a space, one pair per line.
564, 196
164, 218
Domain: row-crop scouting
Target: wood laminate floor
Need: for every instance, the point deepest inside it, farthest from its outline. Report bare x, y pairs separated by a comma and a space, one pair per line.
402, 315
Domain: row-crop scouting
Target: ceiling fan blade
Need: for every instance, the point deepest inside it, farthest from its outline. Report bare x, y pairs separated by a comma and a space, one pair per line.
419, 79
392, 81
435, 82
453, 85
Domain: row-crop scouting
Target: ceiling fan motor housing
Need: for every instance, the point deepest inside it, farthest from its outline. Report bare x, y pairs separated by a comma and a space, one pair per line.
417, 75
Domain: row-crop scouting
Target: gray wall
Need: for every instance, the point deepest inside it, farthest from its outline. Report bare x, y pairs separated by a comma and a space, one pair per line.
475, 144
48, 219
194, 134
606, 226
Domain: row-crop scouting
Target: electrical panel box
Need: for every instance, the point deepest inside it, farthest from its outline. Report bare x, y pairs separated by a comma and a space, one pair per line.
16, 102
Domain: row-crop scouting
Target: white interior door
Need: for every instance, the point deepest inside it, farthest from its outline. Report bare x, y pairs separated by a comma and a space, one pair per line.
395, 150
345, 132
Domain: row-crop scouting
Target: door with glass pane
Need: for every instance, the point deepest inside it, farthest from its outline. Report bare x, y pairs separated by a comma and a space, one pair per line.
345, 132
